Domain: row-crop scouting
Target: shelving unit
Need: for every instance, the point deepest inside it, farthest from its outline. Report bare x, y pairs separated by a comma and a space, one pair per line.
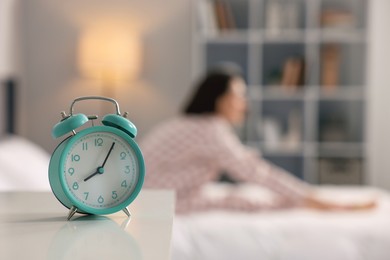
314, 127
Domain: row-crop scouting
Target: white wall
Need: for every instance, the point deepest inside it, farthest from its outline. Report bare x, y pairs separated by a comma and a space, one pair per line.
7, 41
378, 113
49, 32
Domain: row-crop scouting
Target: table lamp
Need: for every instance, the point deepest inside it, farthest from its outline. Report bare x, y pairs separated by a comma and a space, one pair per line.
110, 55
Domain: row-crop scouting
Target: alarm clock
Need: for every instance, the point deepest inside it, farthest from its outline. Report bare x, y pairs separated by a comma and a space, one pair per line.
99, 169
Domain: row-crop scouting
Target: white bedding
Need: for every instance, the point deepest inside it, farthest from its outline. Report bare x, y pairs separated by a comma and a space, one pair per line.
23, 165
289, 234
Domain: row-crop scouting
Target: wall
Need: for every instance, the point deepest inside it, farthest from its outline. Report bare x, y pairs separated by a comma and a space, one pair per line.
49, 32
379, 95
7, 62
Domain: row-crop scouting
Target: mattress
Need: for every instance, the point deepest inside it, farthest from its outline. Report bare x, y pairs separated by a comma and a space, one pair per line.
289, 234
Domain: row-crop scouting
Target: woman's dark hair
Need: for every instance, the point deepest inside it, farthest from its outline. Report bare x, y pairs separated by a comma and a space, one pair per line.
213, 85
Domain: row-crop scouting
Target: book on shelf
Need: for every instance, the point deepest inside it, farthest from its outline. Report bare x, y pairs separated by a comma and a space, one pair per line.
281, 15
224, 15
293, 73
340, 171
330, 66
215, 16
337, 18
207, 19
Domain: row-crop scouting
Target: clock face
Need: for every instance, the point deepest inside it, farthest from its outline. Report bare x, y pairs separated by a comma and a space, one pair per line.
100, 171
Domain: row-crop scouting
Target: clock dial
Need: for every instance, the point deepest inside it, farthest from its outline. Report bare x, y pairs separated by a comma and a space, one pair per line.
101, 170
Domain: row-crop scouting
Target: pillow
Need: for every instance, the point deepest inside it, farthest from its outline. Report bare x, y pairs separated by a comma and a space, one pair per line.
23, 165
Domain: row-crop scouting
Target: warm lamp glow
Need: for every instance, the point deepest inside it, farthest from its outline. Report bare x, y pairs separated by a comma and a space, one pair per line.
110, 55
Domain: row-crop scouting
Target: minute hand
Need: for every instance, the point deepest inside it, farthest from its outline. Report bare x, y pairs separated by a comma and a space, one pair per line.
105, 159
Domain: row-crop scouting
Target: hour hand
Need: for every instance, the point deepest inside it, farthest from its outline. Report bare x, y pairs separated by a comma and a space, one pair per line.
99, 170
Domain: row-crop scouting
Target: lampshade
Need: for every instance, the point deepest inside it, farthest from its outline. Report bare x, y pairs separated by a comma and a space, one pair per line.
111, 55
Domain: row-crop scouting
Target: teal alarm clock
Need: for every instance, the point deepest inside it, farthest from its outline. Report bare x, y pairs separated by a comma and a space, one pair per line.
99, 169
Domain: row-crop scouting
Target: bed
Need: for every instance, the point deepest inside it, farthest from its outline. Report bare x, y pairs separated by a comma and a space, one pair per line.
23, 164
289, 234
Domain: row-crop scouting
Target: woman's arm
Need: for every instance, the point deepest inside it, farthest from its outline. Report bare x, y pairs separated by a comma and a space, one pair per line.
244, 164
247, 165
233, 202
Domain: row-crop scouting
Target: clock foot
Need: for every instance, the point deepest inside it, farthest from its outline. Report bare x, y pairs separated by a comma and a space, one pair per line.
125, 223
72, 211
127, 212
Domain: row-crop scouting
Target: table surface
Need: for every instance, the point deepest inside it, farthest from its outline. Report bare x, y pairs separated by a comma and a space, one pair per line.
33, 225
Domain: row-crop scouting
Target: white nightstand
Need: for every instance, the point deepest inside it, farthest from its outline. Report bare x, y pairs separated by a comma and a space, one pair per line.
33, 225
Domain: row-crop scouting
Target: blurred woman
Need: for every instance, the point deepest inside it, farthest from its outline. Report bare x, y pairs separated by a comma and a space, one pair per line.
191, 150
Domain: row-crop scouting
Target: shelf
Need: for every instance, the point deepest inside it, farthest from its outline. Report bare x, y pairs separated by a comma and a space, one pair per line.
276, 93
268, 149
323, 122
341, 150
284, 36
314, 36
280, 93
305, 149
312, 149
348, 93
226, 37
309, 93
342, 35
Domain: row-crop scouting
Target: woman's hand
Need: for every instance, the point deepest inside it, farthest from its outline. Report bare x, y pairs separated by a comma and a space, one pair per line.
319, 204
